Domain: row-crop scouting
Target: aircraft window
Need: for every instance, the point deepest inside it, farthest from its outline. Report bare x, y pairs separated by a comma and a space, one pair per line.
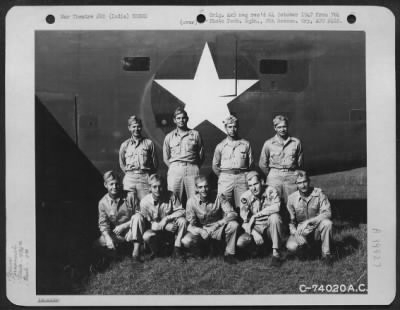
273, 66
88, 122
358, 115
136, 64
164, 119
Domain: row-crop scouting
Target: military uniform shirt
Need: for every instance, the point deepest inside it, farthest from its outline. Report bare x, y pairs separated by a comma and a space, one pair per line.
186, 148
138, 155
233, 154
303, 208
115, 212
199, 213
280, 154
168, 206
268, 204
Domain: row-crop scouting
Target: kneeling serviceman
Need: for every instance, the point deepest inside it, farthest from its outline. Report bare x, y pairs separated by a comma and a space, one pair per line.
310, 214
160, 212
210, 219
259, 209
115, 212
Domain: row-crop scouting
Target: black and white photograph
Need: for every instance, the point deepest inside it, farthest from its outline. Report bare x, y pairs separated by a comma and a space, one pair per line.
200, 161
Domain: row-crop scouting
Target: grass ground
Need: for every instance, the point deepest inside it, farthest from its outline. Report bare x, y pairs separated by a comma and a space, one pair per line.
251, 276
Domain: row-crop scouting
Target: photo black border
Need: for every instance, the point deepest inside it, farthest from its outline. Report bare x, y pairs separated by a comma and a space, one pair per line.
393, 5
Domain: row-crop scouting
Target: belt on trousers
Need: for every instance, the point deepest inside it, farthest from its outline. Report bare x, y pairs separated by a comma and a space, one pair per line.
282, 169
233, 171
182, 163
138, 171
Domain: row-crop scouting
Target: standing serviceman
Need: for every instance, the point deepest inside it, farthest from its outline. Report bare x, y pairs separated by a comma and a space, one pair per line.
280, 157
183, 153
137, 159
233, 157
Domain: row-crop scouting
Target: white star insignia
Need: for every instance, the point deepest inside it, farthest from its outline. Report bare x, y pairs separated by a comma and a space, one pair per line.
206, 97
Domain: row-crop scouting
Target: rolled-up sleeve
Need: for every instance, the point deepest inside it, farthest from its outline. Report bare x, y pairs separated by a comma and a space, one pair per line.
154, 156
291, 209
201, 149
325, 208
300, 156
104, 223
251, 158
244, 211
166, 150
264, 159
216, 160
122, 151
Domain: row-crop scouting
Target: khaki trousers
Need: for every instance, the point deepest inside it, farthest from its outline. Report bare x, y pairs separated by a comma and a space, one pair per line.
140, 232
227, 232
271, 230
323, 232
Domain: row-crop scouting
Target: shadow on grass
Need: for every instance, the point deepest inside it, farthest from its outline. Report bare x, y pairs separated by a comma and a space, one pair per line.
350, 213
345, 247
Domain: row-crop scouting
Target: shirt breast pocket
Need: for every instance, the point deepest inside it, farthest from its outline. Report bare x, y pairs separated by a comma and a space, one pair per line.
226, 153
129, 154
289, 156
175, 148
314, 206
292, 154
300, 213
191, 145
276, 157
242, 158
144, 156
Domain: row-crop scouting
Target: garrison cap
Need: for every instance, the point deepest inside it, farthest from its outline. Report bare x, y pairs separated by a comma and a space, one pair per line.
200, 178
279, 119
180, 110
134, 119
111, 175
301, 174
231, 119
251, 175
156, 178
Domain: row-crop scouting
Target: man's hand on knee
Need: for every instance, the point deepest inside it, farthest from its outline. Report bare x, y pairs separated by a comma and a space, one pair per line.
156, 226
110, 243
258, 239
118, 229
247, 228
163, 223
172, 227
204, 234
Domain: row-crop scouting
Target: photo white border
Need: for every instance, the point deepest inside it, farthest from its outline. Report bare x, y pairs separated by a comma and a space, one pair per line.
21, 24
